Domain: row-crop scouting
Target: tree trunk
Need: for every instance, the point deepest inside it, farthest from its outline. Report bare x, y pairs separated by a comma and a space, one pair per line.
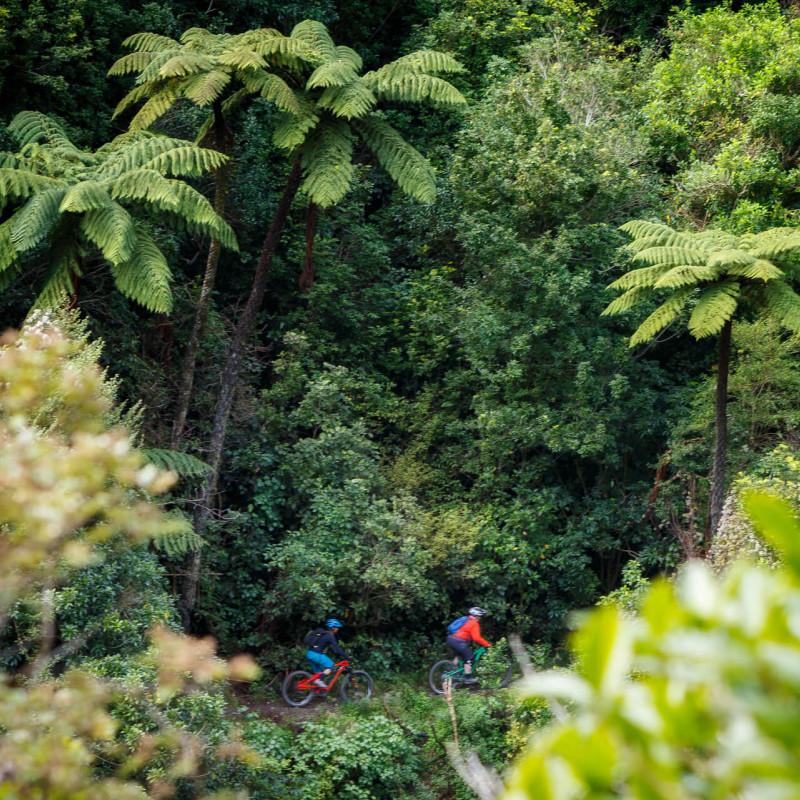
229, 381
307, 275
721, 425
186, 381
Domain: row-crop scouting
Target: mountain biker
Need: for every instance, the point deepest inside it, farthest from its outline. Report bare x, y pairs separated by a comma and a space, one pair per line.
469, 632
320, 640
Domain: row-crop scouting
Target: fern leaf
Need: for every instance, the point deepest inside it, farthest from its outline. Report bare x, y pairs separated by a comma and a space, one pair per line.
685, 275
64, 263
668, 238
332, 73
18, 184
207, 87
31, 127
132, 62
413, 87
188, 160
177, 536
759, 270
327, 164
770, 245
431, 61
8, 254
155, 108
640, 278
315, 36
665, 314
783, 303
198, 37
136, 94
147, 185
715, 307
274, 89
84, 196
183, 464
185, 63
149, 42
626, 301
410, 170
111, 229
673, 256
242, 58
348, 102
36, 219
291, 130
730, 258
146, 276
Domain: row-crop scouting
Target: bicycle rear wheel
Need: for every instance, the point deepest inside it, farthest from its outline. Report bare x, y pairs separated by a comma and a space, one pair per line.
356, 685
292, 694
440, 672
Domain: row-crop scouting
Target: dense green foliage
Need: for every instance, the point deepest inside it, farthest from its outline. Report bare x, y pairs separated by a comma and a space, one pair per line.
396, 226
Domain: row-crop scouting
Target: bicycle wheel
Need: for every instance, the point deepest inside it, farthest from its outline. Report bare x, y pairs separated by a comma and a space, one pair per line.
439, 672
294, 695
356, 685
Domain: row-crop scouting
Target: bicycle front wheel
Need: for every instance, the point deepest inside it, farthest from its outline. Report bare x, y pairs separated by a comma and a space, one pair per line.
440, 672
356, 685
293, 695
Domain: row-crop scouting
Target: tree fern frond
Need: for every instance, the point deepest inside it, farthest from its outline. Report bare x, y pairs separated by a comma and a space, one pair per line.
155, 108
134, 150
205, 88
666, 238
36, 219
183, 464
199, 215
18, 184
332, 73
291, 130
665, 314
410, 170
197, 37
111, 229
348, 102
31, 127
715, 307
185, 63
316, 37
640, 278
149, 42
327, 164
783, 303
759, 270
275, 89
720, 240
132, 62
177, 536
58, 283
188, 160
431, 61
136, 94
769, 245
242, 58
686, 275
146, 276
674, 256
641, 229
84, 196
413, 87
730, 258
626, 301
144, 184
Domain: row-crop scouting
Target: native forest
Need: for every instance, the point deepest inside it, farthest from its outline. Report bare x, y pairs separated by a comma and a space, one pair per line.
341, 338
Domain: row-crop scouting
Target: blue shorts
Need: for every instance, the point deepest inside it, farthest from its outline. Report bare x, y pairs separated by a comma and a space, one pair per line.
319, 660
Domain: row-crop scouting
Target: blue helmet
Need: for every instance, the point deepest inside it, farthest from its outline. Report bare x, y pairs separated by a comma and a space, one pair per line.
333, 623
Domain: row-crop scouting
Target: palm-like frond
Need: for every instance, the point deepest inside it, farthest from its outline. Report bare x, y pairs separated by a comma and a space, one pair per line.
327, 163
111, 229
353, 101
640, 278
783, 304
36, 220
149, 42
314, 35
145, 276
408, 168
715, 307
686, 275
627, 300
183, 464
664, 315
33, 127
674, 256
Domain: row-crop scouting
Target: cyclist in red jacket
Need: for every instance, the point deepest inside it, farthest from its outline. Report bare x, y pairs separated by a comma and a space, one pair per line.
469, 633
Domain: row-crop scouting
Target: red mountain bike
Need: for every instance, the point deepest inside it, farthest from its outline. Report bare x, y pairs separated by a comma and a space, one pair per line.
299, 689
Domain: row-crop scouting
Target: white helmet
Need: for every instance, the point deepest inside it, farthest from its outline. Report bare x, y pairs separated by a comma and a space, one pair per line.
477, 611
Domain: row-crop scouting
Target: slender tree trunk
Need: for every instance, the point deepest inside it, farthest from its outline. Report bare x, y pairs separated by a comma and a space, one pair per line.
186, 380
229, 382
721, 425
307, 275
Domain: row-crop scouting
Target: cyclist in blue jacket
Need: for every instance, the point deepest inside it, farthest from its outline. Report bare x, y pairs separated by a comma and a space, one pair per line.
320, 640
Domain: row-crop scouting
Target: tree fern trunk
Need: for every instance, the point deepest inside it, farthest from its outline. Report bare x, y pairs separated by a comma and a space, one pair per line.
721, 425
186, 381
229, 382
307, 275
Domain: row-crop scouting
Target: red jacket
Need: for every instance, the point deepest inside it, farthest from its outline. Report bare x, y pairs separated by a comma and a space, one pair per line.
470, 631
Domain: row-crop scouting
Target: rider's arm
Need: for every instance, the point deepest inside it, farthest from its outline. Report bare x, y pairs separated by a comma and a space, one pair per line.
330, 641
475, 633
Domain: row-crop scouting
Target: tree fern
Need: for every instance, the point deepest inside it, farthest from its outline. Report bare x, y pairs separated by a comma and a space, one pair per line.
183, 464
671, 255
177, 536
327, 162
716, 306
664, 315
75, 200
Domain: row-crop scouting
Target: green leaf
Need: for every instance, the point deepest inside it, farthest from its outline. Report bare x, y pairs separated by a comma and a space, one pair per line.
776, 521
666, 313
715, 307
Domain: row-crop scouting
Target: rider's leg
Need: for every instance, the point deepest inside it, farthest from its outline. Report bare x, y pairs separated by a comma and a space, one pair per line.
464, 652
322, 663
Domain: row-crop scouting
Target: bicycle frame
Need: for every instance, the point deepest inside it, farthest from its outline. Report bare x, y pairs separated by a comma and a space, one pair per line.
457, 670
309, 685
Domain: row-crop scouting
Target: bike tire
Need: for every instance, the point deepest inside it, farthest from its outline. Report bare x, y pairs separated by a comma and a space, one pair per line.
436, 675
356, 685
292, 696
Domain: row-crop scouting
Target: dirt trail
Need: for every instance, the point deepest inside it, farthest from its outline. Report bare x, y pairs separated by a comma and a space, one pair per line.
273, 708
